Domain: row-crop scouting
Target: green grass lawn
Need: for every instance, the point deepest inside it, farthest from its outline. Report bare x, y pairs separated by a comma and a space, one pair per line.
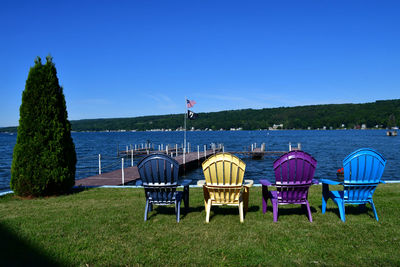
98, 227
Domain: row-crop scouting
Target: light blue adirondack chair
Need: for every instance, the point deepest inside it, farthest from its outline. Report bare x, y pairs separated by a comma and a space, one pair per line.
363, 170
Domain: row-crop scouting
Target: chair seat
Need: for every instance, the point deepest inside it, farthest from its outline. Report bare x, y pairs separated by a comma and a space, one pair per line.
178, 195
275, 198
337, 194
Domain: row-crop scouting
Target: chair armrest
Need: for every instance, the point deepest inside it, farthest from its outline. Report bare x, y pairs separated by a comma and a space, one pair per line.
326, 181
185, 182
201, 182
314, 181
265, 182
248, 183
382, 182
139, 182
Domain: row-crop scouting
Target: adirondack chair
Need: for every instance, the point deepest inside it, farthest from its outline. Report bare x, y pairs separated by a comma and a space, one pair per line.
294, 173
224, 184
159, 177
363, 170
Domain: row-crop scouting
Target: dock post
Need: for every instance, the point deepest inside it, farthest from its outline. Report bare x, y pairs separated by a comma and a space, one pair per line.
205, 151
252, 147
184, 152
223, 149
122, 171
299, 146
188, 148
198, 152
166, 149
131, 157
127, 151
99, 163
162, 147
135, 147
290, 146
176, 149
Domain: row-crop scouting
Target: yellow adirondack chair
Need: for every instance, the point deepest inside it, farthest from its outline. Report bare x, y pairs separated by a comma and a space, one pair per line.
224, 184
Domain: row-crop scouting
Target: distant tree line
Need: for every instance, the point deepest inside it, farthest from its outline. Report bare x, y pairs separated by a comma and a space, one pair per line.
384, 113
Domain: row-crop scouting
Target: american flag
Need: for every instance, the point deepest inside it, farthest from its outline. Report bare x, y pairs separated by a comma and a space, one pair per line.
190, 103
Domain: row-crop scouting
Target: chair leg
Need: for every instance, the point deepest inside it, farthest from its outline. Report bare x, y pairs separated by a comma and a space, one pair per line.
205, 205
275, 210
206, 197
264, 193
309, 211
325, 196
146, 209
186, 197
342, 211
374, 210
246, 194
208, 210
241, 211
178, 210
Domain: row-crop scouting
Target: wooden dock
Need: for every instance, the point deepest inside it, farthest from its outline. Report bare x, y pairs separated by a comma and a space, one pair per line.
257, 153
131, 174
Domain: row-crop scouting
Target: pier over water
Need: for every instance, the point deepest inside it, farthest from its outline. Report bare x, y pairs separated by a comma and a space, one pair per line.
128, 176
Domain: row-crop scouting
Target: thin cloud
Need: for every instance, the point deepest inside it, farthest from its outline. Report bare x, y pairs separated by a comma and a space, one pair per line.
163, 102
96, 101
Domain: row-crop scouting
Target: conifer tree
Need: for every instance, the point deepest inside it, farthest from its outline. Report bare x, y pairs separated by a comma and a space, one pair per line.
44, 156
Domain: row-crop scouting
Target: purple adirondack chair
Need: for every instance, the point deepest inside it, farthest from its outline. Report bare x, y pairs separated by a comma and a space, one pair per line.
294, 173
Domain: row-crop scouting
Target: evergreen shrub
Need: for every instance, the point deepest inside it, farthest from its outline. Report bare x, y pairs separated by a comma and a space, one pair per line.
44, 156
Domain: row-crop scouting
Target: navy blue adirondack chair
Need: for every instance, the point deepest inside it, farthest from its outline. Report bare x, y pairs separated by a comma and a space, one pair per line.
159, 177
363, 170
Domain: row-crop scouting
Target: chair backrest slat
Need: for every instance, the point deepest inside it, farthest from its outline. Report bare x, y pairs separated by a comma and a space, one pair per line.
159, 174
224, 169
363, 171
295, 167
364, 165
294, 172
224, 174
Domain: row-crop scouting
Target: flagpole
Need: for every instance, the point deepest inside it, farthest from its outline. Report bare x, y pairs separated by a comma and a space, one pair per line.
184, 131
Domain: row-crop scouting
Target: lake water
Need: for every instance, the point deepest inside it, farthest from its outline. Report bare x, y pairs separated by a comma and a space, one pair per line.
329, 148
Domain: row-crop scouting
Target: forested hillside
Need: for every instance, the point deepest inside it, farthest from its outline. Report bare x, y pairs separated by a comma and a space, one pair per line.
384, 113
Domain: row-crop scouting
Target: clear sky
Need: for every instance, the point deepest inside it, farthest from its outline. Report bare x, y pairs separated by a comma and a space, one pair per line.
134, 58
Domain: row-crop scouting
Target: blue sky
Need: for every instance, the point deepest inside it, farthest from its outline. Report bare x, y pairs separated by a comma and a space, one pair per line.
135, 58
